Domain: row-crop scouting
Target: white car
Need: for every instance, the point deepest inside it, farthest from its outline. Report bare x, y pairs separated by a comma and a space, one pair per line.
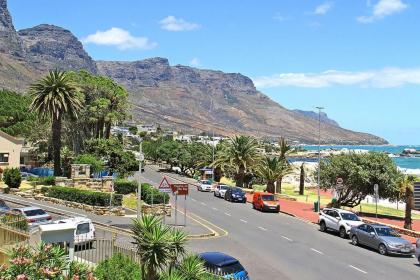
338, 220
220, 190
85, 230
205, 186
418, 250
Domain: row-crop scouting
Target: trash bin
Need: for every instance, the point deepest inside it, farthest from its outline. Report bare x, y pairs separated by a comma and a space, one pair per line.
316, 206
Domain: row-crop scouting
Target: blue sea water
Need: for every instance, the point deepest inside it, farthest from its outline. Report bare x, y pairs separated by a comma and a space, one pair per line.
403, 162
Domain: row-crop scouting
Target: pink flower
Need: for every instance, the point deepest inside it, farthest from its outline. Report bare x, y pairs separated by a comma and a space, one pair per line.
20, 261
76, 277
21, 277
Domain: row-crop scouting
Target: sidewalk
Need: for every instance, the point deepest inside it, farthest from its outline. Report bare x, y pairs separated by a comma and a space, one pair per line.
306, 212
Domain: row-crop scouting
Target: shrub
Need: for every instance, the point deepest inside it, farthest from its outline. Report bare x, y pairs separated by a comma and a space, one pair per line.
118, 267
84, 196
12, 177
125, 186
96, 164
46, 181
149, 193
16, 221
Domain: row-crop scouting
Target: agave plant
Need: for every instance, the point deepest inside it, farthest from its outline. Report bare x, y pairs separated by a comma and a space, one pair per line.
192, 268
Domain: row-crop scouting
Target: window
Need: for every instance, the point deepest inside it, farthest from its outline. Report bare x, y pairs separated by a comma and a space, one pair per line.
334, 214
349, 217
4, 157
34, 212
362, 227
83, 228
369, 229
268, 197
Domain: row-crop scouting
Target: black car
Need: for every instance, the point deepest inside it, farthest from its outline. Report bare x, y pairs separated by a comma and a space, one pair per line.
224, 265
3, 207
235, 195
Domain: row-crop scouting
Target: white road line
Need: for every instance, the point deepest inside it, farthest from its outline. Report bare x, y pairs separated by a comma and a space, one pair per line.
227, 214
315, 250
243, 221
193, 200
358, 269
202, 203
214, 208
287, 238
261, 228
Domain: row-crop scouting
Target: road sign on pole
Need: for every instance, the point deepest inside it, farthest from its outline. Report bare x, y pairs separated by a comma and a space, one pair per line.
165, 186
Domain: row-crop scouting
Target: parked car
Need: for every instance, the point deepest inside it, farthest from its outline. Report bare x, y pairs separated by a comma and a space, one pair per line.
35, 216
222, 264
381, 238
417, 253
338, 220
235, 194
3, 207
265, 201
220, 190
85, 230
205, 186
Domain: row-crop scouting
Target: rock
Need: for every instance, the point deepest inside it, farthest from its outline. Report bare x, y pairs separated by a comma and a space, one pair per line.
10, 43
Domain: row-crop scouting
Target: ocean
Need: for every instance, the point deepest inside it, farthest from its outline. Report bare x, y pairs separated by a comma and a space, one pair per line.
402, 162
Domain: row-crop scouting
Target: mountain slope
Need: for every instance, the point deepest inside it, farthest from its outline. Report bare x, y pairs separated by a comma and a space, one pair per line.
181, 97
315, 116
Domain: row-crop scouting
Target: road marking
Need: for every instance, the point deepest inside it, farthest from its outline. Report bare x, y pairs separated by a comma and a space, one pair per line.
315, 250
202, 203
243, 221
287, 238
193, 200
227, 214
214, 208
358, 269
261, 228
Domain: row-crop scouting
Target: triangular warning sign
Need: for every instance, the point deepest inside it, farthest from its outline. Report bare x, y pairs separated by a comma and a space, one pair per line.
164, 184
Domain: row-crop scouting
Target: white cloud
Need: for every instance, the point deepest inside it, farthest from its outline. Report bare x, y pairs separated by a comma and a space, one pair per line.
323, 8
172, 23
383, 78
120, 38
383, 9
195, 62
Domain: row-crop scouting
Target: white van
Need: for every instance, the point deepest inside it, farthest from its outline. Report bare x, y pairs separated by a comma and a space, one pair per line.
85, 231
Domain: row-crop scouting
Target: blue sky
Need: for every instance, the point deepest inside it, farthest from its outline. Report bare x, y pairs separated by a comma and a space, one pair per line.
359, 59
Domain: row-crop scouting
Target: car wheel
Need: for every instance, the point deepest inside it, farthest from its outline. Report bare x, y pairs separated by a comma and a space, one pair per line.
354, 240
382, 249
322, 226
214, 194
342, 232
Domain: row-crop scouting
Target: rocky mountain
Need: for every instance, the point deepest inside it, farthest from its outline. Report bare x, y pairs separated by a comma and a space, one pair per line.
181, 97
314, 115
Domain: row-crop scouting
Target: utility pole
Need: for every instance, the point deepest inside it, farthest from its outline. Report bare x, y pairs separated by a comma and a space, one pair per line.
319, 156
213, 147
141, 158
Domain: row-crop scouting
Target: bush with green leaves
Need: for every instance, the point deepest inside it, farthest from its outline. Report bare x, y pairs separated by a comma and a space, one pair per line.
15, 221
150, 194
12, 177
46, 181
96, 164
118, 267
84, 196
45, 262
122, 186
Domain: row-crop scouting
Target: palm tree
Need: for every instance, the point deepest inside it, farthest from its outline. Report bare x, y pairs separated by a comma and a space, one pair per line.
407, 190
285, 150
302, 179
271, 169
158, 245
54, 97
240, 153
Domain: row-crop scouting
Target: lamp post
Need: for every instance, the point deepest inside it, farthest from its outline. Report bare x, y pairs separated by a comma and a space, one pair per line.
319, 155
141, 158
213, 147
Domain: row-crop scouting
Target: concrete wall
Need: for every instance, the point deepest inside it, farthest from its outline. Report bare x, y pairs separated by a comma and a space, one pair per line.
13, 149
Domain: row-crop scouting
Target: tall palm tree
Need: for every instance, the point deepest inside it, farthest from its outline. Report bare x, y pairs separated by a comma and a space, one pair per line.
285, 150
271, 169
407, 190
54, 97
239, 153
157, 244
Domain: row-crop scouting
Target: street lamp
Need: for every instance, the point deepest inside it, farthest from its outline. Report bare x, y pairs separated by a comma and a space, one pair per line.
319, 154
141, 158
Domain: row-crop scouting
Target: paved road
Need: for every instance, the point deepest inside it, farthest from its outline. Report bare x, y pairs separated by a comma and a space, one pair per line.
277, 246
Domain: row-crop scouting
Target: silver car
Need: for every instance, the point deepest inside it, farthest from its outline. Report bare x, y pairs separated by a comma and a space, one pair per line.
381, 238
35, 216
418, 250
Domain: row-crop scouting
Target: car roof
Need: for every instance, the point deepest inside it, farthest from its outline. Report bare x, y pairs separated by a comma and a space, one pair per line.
339, 210
28, 208
217, 258
263, 193
378, 226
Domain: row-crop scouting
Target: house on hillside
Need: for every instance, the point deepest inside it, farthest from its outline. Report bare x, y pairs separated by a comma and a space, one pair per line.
10, 151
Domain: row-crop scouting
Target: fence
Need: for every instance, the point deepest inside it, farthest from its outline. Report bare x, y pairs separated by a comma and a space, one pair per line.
219, 274
13, 231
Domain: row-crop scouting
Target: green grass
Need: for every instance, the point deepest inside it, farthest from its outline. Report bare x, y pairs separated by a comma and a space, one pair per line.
371, 208
129, 201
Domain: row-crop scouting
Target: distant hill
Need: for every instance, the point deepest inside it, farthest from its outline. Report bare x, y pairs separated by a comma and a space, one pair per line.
314, 115
181, 97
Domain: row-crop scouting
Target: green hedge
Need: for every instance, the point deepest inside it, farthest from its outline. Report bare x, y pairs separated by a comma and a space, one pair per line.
84, 196
118, 267
125, 186
12, 177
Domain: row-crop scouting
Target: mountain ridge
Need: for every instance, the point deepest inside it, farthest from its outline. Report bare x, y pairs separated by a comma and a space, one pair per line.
181, 97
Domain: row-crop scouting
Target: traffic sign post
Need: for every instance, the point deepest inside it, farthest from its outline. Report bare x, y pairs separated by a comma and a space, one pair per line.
180, 189
165, 187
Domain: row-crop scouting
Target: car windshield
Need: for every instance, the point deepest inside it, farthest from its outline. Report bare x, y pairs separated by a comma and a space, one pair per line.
350, 217
224, 187
232, 268
384, 231
237, 191
83, 228
204, 182
268, 197
34, 212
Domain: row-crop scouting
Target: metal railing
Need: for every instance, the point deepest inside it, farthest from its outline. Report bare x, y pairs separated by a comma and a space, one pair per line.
13, 231
219, 275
